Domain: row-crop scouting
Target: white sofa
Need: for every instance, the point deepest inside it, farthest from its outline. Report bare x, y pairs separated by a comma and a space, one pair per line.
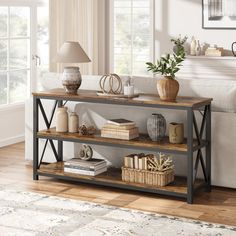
223, 122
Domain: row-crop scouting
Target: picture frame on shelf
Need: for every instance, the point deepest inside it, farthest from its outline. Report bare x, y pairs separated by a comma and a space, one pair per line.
218, 14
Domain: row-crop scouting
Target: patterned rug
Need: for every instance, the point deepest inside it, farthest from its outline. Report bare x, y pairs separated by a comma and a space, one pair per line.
26, 214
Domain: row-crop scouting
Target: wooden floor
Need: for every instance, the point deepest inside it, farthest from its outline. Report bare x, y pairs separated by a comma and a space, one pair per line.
219, 206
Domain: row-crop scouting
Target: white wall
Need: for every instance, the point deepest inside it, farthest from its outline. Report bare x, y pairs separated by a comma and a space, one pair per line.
174, 17
12, 125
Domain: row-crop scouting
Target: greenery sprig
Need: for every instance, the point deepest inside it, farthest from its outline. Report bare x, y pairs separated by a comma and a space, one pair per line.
169, 64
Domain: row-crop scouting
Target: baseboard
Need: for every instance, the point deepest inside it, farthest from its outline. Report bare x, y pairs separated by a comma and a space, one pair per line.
12, 140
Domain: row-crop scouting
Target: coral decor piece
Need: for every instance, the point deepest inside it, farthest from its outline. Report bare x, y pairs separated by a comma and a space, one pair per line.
161, 163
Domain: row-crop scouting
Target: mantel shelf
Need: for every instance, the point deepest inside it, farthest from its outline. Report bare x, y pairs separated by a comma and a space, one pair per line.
211, 57
142, 143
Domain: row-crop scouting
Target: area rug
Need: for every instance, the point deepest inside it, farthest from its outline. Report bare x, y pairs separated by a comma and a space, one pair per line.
26, 214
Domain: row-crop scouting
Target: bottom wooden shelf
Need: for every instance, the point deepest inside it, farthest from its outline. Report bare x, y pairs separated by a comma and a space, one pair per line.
112, 178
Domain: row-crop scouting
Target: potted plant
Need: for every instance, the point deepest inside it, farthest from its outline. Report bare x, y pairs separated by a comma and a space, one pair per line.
168, 65
179, 44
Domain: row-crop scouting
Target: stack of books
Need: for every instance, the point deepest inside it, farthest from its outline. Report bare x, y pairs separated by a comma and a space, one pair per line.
214, 52
136, 161
92, 167
120, 129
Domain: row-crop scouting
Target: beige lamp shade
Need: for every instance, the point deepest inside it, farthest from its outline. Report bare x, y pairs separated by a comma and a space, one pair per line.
72, 52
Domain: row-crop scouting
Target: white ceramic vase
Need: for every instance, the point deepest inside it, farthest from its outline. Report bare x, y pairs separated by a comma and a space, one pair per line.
62, 120
73, 122
71, 79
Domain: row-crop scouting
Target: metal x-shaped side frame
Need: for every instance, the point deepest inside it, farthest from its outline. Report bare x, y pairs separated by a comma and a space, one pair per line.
57, 152
205, 127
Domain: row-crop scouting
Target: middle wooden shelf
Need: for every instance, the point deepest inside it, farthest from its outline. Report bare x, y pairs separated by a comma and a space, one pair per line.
142, 143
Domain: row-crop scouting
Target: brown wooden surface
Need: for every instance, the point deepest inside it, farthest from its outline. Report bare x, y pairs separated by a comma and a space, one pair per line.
113, 175
141, 142
148, 99
219, 206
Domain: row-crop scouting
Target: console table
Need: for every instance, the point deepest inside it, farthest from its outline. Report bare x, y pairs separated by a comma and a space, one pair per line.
192, 148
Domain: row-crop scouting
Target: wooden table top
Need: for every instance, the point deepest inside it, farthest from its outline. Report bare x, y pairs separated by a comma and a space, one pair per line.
152, 100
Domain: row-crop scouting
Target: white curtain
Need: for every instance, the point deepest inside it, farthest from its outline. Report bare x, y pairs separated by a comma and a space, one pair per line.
83, 21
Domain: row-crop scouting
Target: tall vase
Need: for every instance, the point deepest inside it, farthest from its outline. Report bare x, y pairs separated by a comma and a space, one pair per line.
62, 119
156, 126
73, 122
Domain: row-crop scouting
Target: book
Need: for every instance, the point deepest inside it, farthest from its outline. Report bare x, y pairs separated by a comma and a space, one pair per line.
90, 163
84, 167
120, 122
144, 163
84, 172
119, 127
129, 161
214, 52
136, 162
117, 131
140, 163
119, 136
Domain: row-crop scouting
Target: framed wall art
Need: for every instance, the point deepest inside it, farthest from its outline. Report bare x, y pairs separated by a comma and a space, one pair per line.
219, 14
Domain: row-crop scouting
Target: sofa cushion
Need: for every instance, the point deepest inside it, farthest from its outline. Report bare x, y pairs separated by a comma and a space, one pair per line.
223, 92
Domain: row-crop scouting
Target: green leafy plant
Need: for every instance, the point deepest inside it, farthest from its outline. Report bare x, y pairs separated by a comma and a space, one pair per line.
168, 65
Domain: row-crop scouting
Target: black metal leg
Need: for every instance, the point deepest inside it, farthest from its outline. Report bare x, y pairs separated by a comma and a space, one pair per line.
208, 148
35, 139
60, 143
190, 155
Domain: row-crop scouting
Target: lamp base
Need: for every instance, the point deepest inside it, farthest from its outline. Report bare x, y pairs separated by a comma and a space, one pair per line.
71, 79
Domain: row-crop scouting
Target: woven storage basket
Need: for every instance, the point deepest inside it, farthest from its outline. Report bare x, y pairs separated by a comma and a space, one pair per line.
147, 177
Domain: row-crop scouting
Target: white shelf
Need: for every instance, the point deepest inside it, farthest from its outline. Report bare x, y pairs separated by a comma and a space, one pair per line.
211, 58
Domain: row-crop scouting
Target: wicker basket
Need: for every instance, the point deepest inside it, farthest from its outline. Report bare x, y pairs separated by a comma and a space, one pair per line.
153, 178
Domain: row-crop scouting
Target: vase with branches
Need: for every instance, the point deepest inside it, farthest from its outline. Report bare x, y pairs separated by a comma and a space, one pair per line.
168, 65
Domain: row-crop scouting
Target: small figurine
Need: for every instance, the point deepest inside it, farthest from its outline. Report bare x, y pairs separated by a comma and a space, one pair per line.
86, 153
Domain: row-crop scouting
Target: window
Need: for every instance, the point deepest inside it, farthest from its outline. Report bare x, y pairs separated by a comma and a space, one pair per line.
24, 50
131, 36
14, 53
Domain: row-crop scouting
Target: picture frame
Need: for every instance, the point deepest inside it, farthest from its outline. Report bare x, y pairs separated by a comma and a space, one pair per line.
219, 14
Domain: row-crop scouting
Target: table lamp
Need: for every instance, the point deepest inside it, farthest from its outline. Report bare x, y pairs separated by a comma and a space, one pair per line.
71, 52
